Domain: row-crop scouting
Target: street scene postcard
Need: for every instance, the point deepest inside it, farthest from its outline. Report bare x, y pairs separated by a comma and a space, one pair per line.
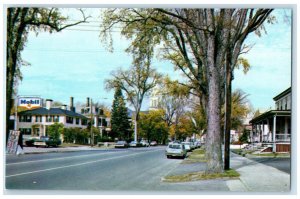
149, 100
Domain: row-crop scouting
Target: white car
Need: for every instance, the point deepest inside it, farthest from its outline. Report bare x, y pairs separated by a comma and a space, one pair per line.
187, 145
145, 143
134, 144
175, 150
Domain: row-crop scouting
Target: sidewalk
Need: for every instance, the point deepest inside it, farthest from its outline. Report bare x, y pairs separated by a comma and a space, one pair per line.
254, 176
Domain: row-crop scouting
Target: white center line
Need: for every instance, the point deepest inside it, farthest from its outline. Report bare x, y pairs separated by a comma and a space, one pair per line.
74, 165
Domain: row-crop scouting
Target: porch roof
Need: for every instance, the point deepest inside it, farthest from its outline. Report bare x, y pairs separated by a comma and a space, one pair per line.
270, 114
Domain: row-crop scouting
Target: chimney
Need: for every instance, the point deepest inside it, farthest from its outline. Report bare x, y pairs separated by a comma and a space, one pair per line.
48, 103
64, 107
72, 108
87, 102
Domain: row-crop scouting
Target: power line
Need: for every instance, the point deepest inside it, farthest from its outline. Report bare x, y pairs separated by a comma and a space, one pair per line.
73, 51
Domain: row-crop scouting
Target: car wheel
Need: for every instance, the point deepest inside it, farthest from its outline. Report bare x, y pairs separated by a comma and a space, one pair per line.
168, 156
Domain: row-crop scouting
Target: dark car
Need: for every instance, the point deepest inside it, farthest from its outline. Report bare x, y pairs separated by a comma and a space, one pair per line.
53, 142
46, 142
121, 144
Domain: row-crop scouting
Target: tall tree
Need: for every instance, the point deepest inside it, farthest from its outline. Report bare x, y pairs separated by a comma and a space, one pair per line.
153, 126
240, 108
119, 117
173, 98
198, 42
137, 81
21, 21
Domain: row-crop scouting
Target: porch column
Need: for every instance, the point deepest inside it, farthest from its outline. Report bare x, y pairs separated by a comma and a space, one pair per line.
286, 128
262, 132
274, 133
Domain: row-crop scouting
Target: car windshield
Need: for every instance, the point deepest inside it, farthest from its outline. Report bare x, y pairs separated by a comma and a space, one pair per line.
120, 142
175, 146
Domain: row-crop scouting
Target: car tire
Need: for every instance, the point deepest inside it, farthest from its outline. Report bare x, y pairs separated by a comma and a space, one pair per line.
168, 156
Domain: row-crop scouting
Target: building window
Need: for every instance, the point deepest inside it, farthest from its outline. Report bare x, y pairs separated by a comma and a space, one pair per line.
77, 121
83, 122
69, 120
38, 118
25, 131
49, 118
56, 118
25, 118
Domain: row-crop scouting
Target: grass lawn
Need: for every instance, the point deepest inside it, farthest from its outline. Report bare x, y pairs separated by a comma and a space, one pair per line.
198, 155
194, 176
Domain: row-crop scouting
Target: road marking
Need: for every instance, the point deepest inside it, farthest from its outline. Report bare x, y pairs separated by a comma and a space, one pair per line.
80, 164
51, 159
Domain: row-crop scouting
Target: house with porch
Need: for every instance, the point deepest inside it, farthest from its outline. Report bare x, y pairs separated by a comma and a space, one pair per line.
273, 128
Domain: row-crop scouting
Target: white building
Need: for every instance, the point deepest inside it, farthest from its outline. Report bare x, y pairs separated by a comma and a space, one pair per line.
34, 123
274, 126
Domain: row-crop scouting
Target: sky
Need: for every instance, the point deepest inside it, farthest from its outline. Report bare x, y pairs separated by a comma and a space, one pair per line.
75, 63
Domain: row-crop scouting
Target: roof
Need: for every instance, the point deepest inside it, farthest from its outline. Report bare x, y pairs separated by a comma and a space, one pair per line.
277, 97
51, 111
270, 114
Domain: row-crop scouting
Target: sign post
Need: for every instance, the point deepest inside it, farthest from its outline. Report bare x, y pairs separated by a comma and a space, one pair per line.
12, 143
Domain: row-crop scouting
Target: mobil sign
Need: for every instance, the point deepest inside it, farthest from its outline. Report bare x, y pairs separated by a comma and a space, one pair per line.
30, 102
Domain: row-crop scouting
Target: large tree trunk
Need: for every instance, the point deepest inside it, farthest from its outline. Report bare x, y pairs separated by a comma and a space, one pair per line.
213, 137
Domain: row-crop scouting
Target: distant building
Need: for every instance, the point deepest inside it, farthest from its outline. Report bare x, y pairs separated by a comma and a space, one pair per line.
274, 126
34, 122
99, 119
155, 98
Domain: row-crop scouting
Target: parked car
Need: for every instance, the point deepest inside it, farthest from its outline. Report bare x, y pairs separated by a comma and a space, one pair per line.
193, 145
121, 144
175, 150
187, 145
135, 144
153, 143
53, 142
198, 144
145, 143
43, 141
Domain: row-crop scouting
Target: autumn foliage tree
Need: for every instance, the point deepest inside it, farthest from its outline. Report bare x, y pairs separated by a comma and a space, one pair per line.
136, 82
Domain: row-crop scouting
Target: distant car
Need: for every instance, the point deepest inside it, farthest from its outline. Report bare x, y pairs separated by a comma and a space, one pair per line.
187, 145
45, 141
145, 143
135, 144
198, 144
121, 144
153, 143
175, 150
53, 142
193, 145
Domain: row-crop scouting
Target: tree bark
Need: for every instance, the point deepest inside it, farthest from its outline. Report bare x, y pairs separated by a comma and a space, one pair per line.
213, 137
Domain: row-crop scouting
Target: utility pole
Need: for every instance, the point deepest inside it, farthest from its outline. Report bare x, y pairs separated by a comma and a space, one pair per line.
227, 121
135, 129
16, 113
92, 118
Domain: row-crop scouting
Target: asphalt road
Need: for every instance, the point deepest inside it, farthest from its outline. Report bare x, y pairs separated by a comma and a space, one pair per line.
138, 169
